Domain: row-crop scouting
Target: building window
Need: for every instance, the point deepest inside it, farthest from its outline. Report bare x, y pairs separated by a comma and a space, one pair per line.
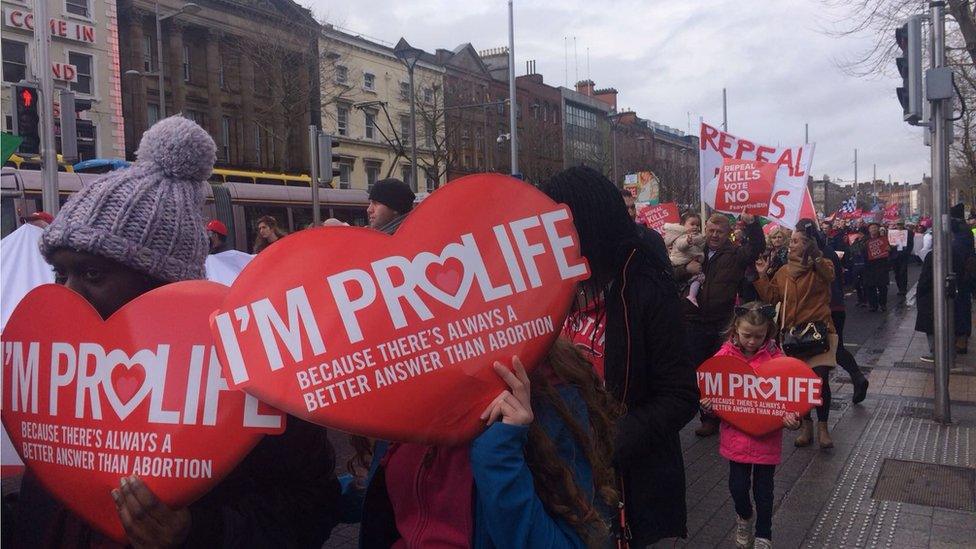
428, 95
257, 142
14, 61
369, 81
372, 174
196, 116
84, 64
186, 63
405, 91
431, 180
345, 174
405, 129
152, 113
430, 131
147, 53
77, 7
479, 146
370, 124
342, 119
225, 138
406, 174
341, 74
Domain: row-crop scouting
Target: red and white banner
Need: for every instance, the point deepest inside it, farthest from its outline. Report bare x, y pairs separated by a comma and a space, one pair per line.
878, 248
88, 401
754, 401
790, 200
394, 337
745, 186
657, 215
891, 213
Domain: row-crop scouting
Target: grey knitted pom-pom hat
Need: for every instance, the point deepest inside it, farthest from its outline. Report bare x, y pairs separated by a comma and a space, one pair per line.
147, 216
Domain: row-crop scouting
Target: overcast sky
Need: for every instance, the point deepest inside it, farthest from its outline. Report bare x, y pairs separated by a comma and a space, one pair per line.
671, 58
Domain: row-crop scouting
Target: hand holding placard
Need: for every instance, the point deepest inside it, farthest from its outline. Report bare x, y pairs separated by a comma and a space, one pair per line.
393, 337
88, 401
755, 401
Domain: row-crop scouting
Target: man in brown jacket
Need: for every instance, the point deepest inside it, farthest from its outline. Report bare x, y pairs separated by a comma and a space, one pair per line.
724, 267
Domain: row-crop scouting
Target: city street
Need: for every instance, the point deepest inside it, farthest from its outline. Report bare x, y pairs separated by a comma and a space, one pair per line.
830, 498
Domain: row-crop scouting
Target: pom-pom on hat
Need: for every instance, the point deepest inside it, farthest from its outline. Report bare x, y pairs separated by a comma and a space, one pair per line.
147, 216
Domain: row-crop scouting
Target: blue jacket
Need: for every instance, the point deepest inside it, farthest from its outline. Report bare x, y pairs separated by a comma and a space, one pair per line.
508, 513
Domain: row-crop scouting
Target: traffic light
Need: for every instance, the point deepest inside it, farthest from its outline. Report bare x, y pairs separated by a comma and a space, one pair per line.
909, 39
327, 170
26, 119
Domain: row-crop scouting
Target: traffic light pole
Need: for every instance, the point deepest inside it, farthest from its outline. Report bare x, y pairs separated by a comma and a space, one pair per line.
941, 264
313, 160
48, 149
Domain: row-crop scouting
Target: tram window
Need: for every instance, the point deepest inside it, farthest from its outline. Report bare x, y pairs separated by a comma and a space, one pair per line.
302, 217
254, 212
352, 216
239, 179
8, 216
267, 181
216, 178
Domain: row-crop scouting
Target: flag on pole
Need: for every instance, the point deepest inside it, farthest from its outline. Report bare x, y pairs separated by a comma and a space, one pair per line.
848, 206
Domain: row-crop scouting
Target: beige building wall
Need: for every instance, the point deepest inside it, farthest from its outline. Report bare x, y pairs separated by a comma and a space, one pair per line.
89, 30
358, 78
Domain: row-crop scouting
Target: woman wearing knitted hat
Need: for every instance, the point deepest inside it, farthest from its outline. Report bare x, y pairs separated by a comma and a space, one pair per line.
119, 237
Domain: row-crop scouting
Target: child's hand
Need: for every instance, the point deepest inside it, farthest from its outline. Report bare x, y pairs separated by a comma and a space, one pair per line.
791, 421
513, 407
706, 404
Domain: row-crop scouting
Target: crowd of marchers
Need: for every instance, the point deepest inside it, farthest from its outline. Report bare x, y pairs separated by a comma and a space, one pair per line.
582, 450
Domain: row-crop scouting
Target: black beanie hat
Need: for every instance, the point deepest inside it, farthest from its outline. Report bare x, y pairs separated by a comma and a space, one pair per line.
393, 193
958, 211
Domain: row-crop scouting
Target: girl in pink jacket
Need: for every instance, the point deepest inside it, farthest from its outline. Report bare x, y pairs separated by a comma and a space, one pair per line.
752, 459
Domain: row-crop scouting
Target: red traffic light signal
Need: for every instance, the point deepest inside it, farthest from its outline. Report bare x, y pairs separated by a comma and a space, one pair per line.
26, 97
26, 118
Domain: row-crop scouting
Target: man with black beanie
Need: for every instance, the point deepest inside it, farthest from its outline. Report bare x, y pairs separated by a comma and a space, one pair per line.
390, 200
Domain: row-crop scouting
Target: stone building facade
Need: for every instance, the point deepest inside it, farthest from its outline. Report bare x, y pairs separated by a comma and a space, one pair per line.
245, 70
365, 104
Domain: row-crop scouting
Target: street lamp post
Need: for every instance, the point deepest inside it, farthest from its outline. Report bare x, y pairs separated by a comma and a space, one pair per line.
409, 56
513, 104
189, 7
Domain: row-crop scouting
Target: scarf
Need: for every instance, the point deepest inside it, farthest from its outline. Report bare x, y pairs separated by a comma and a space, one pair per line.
796, 265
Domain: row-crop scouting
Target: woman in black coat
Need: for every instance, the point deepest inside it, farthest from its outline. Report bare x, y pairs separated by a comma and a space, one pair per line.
925, 306
631, 293
876, 271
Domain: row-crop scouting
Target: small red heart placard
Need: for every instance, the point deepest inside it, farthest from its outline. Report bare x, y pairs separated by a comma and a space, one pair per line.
755, 400
393, 337
88, 401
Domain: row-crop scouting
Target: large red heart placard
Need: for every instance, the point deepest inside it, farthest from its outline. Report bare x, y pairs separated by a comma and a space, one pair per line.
755, 400
394, 336
88, 401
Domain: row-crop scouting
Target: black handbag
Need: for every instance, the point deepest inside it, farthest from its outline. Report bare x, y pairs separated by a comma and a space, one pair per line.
803, 340
806, 340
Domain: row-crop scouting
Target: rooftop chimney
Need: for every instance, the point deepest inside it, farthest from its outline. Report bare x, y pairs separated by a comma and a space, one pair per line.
585, 87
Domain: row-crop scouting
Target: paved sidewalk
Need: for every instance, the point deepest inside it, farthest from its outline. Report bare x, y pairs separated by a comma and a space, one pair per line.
831, 498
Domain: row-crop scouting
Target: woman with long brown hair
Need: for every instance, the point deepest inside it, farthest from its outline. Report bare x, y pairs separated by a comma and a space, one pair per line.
802, 288
268, 233
539, 474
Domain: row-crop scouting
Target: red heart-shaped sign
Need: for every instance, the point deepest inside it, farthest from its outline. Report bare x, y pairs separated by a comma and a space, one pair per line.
754, 400
394, 336
88, 401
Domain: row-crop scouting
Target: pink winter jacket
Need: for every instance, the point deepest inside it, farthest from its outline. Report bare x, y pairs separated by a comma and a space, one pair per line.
742, 447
